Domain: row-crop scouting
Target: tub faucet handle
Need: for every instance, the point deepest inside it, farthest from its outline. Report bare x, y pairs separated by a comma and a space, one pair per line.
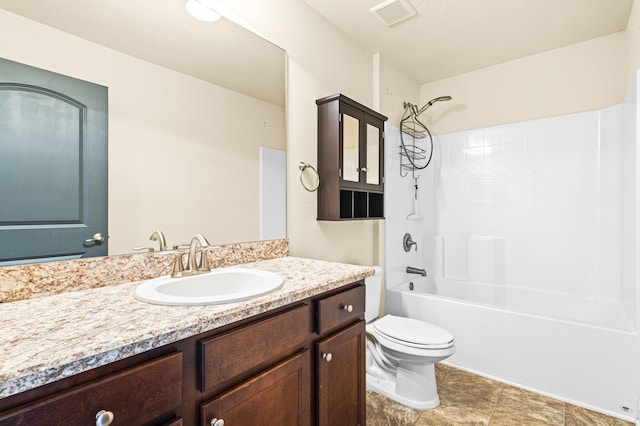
407, 242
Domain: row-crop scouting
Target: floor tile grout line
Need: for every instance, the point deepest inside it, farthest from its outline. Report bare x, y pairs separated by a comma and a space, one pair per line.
495, 406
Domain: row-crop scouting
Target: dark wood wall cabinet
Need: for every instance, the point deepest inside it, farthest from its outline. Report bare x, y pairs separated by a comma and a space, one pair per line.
303, 364
350, 160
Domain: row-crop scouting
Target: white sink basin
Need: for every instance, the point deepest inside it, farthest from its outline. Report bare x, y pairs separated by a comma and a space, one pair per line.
225, 285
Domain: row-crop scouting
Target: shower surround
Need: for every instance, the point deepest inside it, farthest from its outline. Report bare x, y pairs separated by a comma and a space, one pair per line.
529, 237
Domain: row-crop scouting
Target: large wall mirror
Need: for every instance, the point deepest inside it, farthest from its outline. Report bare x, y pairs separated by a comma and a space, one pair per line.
195, 109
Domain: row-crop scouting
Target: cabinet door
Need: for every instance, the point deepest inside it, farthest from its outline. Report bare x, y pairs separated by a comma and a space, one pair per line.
352, 155
373, 144
341, 377
361, 150
278, 396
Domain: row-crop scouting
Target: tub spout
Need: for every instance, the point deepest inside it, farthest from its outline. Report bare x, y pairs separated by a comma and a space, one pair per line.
418, 271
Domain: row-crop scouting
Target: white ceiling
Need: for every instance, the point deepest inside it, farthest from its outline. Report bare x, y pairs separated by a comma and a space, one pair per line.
446, 38
452, 37
162, 32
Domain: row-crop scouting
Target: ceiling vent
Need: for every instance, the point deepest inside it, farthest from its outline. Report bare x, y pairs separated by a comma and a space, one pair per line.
393, 11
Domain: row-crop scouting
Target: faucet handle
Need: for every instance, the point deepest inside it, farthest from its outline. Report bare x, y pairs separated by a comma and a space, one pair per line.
147, 249
203, 266
180, 246
178, 267
407, 242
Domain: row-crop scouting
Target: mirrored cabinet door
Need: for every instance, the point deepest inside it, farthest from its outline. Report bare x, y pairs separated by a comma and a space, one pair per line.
374, 136
350, 148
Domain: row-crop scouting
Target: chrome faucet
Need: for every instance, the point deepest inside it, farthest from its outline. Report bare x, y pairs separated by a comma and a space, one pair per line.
192, 263
407, 242
417, 271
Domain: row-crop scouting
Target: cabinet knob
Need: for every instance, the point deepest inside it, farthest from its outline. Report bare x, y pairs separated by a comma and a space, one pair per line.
327, 357
348, 308
217, 422
104, 418
364, 169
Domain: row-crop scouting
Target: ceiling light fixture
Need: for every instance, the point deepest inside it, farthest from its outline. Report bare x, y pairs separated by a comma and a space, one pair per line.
201, 11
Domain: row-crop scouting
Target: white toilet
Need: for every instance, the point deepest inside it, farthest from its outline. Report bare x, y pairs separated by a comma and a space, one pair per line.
402, 352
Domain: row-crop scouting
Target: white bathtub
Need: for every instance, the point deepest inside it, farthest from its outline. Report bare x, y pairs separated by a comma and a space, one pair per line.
571, 349
556, 305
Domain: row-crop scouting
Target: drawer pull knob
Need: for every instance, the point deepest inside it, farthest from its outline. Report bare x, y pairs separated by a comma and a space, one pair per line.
104, 418
327, 357
348, 308
217, 422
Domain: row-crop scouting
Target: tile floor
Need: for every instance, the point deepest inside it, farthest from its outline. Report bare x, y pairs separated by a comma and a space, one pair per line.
468, 399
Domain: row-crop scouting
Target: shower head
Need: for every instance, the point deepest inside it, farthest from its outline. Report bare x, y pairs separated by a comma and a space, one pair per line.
431, 102
441, 98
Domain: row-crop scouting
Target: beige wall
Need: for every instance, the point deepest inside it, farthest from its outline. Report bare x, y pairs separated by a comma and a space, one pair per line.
395, 88
633, 41
177, 160
579, 77
321, 62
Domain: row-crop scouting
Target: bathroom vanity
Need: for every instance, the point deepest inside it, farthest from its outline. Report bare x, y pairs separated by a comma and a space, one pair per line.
293, 357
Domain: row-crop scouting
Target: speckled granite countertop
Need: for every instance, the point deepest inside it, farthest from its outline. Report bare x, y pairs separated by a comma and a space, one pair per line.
50, 338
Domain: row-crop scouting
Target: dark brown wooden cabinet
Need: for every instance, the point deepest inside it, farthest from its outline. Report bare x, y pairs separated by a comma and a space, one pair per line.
264, 370
135, 395
341, 377
340, 358
230, 355
270, 360
277, 396
350, 160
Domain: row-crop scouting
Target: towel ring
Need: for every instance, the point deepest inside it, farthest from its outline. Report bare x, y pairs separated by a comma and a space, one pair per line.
303, 166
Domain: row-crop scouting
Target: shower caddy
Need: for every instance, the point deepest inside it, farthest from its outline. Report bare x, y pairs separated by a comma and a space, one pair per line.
411, 128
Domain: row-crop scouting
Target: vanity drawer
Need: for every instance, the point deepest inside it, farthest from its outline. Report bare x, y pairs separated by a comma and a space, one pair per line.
135, 395
339, 309
231, 354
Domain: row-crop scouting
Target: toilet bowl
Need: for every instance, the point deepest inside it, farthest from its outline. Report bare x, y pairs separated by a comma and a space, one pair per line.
402, 352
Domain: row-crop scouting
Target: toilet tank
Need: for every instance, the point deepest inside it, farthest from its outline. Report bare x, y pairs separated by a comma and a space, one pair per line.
373, 288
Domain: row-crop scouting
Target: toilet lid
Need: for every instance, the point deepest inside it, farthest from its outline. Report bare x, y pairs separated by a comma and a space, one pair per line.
413, 332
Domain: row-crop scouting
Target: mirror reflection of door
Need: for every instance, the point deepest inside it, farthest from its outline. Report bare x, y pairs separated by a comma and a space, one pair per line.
53, 166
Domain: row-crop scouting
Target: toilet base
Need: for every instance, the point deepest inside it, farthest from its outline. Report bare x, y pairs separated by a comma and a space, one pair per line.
387, 387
